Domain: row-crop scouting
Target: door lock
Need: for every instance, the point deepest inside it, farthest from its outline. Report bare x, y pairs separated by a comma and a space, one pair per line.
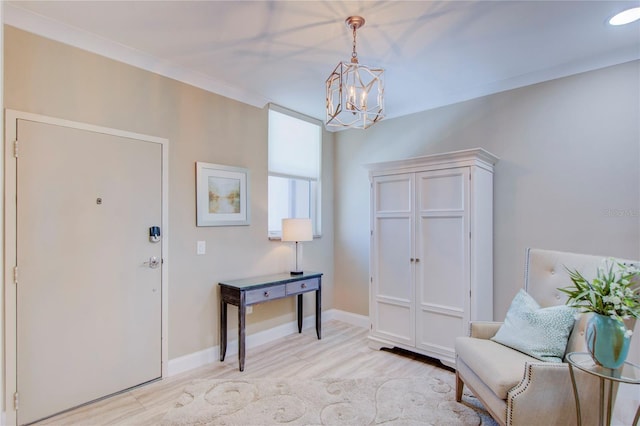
154, 234
153, 262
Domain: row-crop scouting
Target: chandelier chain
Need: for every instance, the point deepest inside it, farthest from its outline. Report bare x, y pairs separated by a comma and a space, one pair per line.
354, 54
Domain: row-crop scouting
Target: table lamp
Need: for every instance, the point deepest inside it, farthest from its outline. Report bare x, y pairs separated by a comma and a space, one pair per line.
297, 230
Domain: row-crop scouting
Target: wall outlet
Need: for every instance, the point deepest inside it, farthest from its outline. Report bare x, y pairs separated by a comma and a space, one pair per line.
201, 247
249, 310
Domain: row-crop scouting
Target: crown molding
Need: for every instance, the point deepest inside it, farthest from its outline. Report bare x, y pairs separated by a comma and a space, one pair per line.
66, 34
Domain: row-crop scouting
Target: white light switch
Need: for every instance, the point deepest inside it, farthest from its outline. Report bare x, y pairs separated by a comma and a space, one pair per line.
201, 247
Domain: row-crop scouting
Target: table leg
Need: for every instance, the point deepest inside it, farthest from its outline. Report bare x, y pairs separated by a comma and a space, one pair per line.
637, 417
300, 313
242, 311
602, 412
575, 394
319, 313
609, 402
223, 329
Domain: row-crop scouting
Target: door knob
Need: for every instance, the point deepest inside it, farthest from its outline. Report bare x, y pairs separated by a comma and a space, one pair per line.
153, 262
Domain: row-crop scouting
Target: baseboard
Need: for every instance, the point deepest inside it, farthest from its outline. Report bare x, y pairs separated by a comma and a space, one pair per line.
212, 354
193, 360
348, 317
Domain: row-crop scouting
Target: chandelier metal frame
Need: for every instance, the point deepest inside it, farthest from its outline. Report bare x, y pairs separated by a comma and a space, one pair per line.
355, 92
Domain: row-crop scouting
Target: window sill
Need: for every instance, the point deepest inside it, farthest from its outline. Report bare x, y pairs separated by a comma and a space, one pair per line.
279, 238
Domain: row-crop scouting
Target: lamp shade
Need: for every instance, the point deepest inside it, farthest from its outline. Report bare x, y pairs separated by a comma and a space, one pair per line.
296, 230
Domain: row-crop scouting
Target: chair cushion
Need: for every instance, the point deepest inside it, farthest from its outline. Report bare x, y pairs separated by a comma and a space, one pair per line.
538, 332
498, 366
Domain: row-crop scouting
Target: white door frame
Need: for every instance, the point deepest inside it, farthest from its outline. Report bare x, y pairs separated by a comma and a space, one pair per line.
10, 254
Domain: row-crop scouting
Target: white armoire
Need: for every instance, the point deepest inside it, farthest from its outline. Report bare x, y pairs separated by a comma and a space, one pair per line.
431, 266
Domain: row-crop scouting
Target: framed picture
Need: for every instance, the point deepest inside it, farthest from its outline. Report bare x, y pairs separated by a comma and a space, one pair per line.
222, 195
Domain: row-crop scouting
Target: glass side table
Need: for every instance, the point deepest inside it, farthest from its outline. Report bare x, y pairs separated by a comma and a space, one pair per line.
628, 373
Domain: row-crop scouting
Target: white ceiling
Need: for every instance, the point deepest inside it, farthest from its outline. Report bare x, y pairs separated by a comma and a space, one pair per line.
435, 52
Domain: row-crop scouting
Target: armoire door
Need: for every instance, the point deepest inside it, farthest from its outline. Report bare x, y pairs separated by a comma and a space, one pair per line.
442, 250
392, 295
89, 290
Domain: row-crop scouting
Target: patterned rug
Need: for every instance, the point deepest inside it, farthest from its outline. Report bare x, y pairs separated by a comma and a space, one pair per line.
291, 401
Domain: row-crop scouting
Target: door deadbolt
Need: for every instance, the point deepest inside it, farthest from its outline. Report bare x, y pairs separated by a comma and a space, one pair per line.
154, 234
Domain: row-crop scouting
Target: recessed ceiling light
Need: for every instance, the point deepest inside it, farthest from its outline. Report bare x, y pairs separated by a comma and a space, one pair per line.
626, 16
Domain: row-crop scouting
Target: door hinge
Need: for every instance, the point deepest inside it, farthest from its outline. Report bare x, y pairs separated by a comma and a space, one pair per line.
15, 148
16, 401
15, 275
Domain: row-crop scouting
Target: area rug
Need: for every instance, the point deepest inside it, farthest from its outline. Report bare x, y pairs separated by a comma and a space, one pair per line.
370, 401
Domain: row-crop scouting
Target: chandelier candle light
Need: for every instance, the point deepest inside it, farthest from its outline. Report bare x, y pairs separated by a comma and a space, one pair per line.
355, 92
297, 230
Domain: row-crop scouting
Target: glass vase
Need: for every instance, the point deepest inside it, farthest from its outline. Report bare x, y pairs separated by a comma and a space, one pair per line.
607, 341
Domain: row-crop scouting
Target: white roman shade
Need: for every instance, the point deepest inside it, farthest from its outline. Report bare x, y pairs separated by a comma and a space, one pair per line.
294, 147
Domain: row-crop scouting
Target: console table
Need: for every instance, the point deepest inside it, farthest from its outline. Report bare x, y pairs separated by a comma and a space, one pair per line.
251, 291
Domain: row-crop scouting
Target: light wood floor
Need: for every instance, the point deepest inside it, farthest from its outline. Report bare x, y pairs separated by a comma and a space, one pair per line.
342, 353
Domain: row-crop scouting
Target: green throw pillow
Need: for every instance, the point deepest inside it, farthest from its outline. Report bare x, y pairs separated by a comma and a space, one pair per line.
538, 332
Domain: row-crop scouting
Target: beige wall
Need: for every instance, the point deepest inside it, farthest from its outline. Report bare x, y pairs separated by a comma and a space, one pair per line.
49, 78
2, 324
568, 178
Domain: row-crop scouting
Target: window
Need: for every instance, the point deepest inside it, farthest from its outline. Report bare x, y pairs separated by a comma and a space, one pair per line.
294, 169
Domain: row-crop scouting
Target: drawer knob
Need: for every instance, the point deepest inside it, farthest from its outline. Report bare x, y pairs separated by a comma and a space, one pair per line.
266, 294
304, 285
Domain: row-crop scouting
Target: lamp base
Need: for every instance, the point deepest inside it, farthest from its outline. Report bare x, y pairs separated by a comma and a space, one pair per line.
297, 272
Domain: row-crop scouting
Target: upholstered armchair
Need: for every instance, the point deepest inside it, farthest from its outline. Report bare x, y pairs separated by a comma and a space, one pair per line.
518, 389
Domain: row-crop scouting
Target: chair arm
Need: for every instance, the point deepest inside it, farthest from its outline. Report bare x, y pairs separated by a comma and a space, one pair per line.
545, 396
484, 329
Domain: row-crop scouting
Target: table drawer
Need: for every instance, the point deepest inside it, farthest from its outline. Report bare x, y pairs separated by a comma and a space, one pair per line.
265, 294
302, 286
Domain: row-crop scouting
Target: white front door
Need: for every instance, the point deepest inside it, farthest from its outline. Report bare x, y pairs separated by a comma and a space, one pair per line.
88, 307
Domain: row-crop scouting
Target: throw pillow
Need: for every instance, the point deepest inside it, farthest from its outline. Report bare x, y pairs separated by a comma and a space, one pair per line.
538, 332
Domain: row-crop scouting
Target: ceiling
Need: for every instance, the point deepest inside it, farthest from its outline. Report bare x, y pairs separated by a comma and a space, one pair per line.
435, 52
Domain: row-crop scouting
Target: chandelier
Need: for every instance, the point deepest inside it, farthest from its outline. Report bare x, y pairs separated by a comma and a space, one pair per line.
355, 93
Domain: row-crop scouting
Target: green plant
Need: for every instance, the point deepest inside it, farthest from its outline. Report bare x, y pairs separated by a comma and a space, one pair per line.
613, 292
